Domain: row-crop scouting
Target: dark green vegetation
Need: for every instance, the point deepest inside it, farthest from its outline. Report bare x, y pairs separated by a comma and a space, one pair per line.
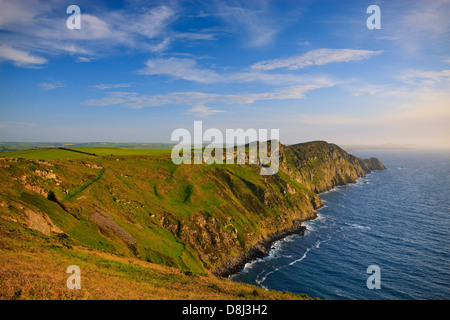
137, 204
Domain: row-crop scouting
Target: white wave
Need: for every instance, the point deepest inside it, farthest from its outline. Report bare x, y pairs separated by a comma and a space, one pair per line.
312, 225
278, 245
247, 266
357, 226
260, 282
316, 245
335, 189
303, 257
264, 277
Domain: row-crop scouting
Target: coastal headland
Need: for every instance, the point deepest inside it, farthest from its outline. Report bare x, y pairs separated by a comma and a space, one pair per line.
136, 206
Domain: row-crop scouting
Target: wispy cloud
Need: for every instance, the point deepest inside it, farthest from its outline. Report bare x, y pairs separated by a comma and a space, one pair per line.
186, 69
104, 86
419, 25
204, 111
425, 78
362, 88
47, 86
254, 21
194, 36
190, 70
36, 27
198, 101
83, 59
315, 57
20, 58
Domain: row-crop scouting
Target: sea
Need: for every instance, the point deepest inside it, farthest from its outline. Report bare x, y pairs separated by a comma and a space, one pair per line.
385, 237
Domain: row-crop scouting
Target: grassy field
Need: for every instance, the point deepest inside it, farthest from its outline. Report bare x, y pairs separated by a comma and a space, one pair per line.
125, 151
56, 153
17, 146
43, 154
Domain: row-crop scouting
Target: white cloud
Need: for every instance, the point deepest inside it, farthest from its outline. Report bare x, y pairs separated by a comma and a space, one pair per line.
388, 38
315, 57
150, 24
194, 36
188, 69
18, 12
198, 100
46, 86
83, 59
279, 78
255, 23
33, 26
203, 111
20, 58
185, 69
362, 89
111, 86
425, 78
158, 47
418, 25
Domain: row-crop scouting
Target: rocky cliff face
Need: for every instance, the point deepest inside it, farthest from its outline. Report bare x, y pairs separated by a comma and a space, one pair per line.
319, 166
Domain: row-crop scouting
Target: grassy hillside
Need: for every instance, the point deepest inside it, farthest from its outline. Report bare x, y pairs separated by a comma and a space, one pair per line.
136, 205
33, 266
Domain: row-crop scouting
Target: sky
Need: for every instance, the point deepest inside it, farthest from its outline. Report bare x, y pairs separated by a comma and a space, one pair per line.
137, 70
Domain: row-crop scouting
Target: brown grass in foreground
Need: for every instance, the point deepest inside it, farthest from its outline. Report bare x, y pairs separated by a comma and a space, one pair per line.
30, 270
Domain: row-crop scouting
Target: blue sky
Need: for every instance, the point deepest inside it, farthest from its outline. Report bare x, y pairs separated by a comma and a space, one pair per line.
137, 70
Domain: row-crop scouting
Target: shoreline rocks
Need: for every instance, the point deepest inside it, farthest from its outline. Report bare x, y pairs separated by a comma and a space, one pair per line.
260, 250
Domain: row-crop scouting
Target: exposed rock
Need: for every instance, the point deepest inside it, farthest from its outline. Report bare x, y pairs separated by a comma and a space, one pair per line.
291, 189
45, 163
259, 250
93, 166
41, 222
107, 222
37, 189
321, 166
46, 174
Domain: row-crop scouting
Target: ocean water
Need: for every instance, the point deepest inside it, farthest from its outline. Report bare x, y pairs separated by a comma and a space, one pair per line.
397, 219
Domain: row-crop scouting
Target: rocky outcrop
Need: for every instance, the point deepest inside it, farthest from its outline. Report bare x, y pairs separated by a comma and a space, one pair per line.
259, 250
107, 222
321, 166
41, 222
